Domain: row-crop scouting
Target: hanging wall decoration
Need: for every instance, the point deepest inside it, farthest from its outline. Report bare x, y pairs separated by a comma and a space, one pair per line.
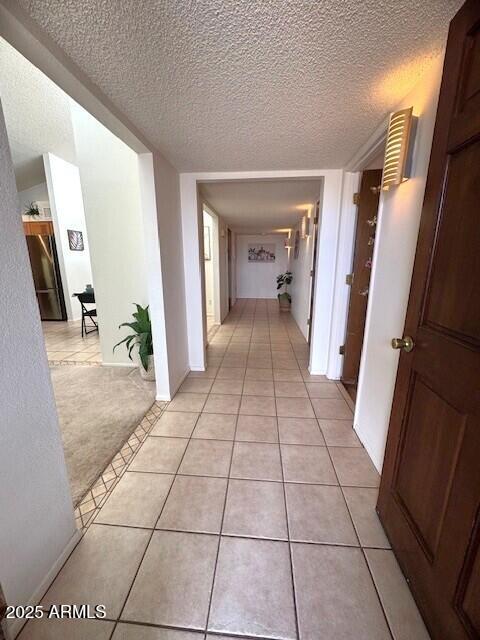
261, 253
75, 240
296, 246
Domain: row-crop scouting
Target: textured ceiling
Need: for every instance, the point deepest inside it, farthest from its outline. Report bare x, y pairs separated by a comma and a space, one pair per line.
37, 115
251, 84
261, 205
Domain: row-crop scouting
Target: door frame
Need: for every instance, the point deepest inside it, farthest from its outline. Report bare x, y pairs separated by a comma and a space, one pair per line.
328, 314
315, 222
351, 284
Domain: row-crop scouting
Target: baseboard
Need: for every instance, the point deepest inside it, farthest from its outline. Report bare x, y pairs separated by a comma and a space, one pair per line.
120, 364
166, 398
316, 372
16, 626
197, 368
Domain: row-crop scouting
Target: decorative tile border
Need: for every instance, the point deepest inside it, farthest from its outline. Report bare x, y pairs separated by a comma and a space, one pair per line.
72, 363
96, 496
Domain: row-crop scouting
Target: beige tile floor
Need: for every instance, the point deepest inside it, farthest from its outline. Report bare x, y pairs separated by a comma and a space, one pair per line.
65, 344
248, 512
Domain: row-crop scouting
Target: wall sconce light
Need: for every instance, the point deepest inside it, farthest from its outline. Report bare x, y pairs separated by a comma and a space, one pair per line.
399, 148
305, 227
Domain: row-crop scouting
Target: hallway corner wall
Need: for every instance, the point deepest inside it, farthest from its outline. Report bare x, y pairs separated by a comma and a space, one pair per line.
111, 193
395, 244
38, 525
167, 196
258, 279
324, 318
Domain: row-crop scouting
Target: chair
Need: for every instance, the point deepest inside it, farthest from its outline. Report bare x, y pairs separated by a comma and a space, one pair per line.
87, 298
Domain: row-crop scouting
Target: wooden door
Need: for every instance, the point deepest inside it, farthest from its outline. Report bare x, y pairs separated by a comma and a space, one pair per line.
38, 228
360, 277
429, 498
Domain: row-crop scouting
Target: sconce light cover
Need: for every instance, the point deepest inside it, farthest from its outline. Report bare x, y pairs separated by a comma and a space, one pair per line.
398, 150
305, 228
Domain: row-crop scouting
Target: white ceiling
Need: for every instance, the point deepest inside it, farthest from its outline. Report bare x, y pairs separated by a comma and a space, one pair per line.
263, 206
251, 84
37, 116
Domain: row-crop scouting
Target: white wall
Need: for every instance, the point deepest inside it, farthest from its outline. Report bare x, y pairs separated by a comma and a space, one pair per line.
111, 192
396, 238
326, 315
258, 279
37, 193
37, 523
171, 281
301, 284
209, 279
66, 204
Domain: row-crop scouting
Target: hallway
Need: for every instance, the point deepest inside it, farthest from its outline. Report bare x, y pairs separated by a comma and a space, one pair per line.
249, 511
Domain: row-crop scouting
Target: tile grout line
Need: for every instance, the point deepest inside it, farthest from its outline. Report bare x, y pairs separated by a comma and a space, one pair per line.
250, 320
390, 630
118, 474
292, 573
290, 551
209, 609
82, 534
153, 530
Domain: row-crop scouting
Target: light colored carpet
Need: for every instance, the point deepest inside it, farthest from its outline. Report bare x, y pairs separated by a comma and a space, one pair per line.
98, 409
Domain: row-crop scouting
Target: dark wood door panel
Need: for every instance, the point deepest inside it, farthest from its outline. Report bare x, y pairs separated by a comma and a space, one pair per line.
453, 302
439, 580
467, 598
431, 441
466, 120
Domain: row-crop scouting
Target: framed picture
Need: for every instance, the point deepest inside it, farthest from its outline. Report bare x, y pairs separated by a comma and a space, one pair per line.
261, 253
207, 245
296, 246
75, 240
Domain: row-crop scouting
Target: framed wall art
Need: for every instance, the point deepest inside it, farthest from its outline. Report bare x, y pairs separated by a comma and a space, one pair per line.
261, 253
75, 240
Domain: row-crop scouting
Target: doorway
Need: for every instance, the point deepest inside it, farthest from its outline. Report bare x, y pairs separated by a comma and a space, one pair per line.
208, 261
359, 278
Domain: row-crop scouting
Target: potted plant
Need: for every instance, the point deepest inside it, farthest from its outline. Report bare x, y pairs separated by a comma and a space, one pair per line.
284, 298
32, 210
142, 337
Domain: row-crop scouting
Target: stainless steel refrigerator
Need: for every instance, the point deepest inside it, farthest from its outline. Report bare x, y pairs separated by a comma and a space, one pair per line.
46, 276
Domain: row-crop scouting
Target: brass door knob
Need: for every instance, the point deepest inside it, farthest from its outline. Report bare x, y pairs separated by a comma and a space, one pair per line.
405, 343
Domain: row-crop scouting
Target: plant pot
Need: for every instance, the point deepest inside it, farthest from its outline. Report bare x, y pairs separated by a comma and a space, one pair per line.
284, 303
149, 374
